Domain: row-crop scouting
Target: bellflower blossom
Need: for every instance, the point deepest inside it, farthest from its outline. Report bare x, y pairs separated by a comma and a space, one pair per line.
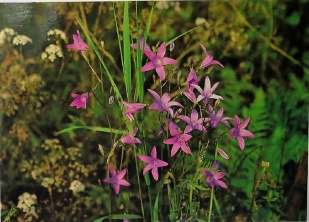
178, 140
207, 93
193, 122
132, 108
130, 139
163, 103
79, 100
213, 178
116, 179
142, 47
78, 44
216, 119
208, 60
157, 61
239, 131
153, 163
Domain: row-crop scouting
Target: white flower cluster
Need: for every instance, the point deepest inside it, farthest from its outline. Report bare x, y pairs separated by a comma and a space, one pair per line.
26, 203
21, 40
51, 52
164, 5
6, 34
57, 32
76, 186
54, 50
47, 182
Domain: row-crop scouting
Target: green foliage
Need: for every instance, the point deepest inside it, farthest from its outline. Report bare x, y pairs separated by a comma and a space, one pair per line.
263, 77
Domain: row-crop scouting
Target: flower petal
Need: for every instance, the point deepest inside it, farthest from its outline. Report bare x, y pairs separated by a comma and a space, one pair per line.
148, 66
161, 50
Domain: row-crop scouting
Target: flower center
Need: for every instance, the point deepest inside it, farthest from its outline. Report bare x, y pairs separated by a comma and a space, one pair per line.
158, 62
235, 132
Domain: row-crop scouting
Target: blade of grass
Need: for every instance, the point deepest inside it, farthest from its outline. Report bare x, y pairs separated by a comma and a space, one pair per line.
177, 37
93, 128
118, 217
140, 75
127, 51
118, 36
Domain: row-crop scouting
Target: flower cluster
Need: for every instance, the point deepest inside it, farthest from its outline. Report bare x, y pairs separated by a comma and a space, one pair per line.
179, 126
52, 52
27, 202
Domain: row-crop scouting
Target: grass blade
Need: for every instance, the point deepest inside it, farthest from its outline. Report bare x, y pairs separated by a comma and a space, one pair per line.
127, 50
93, 128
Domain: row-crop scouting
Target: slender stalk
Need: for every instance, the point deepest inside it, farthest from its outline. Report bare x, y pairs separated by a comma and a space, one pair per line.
212, 189
139, 184
210, 204
96, 75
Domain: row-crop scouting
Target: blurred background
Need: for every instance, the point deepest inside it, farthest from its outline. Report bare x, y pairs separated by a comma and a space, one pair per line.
264, 46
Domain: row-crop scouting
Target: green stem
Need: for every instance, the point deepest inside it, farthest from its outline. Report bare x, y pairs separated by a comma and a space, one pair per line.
210, 204
139, 184
212, 189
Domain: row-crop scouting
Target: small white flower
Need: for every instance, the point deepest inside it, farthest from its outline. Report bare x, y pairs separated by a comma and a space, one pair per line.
21, 40
6, 34
200, 21
163, 5
57, 32
51, 52
76, 186
47, 182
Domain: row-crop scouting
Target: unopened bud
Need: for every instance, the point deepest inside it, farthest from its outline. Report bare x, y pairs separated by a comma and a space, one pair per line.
172, 46
265, 164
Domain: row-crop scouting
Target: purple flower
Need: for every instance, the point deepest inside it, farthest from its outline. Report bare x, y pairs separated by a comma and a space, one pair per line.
157, 61
239, 131
213, 178
141, 44
216, 119
79, 100
132, 108
116, 179
178, 140
191, 96
193, 122
78, 44
208, 60
152, 163
163, 103
131, 139
192, 79
207, 94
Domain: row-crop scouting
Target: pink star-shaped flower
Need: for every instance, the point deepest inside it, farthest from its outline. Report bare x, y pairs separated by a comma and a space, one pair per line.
78, 44
208, 60
213, 178
163, 103
79, 100
193, 122
132, 108
239, 131
131, 139
178, 140
153, 163
116, 179
158, 61
216, 119
207, 93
